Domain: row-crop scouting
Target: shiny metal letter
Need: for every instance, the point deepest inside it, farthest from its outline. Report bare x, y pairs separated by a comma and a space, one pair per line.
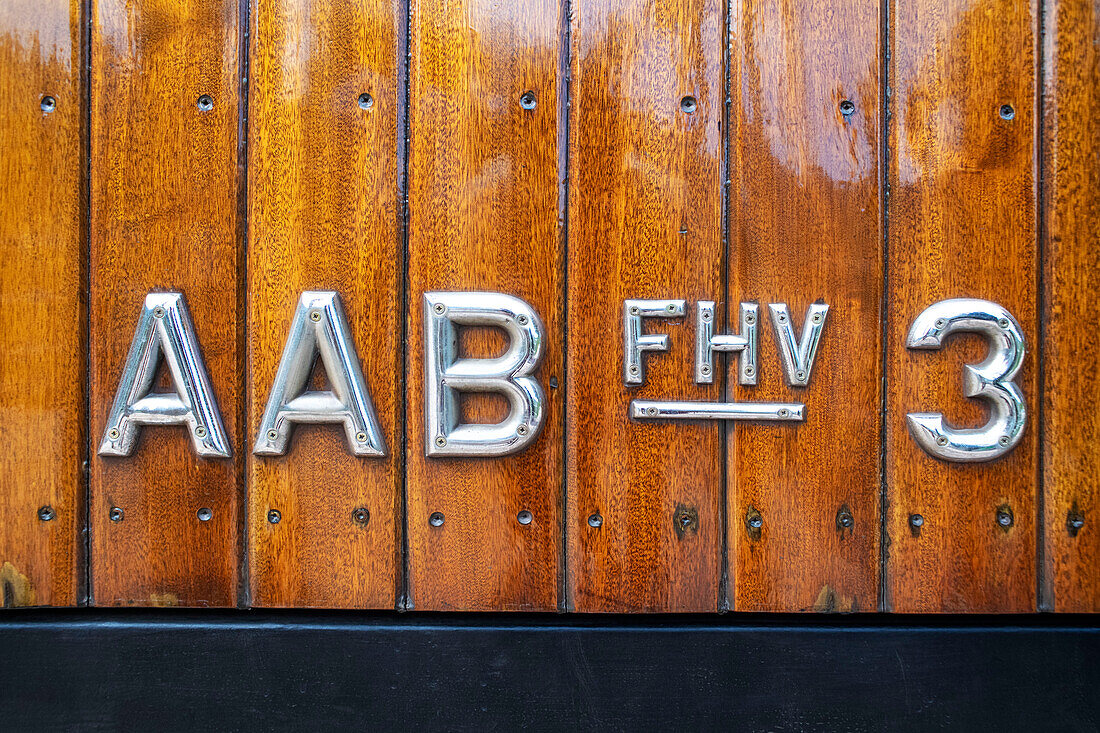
991, 380
164, 330
706, 343
446, 375
798, 358
319, 329
635, 343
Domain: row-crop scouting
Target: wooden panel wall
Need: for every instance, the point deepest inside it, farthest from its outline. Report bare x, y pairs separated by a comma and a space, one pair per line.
324, 214
805, 227
42, 322
494, 125
962, 224
484, 214
164, 199
1071, 421
644, 222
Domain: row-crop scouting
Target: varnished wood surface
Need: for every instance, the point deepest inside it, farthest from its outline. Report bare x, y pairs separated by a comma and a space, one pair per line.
324, 214
805, 227
1071, 420
962, 224
644, 222
164, 198
42, 325
490, 208
484, 214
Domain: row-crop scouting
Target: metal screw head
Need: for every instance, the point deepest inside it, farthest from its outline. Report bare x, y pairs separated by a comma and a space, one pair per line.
360, 515
1007, 112
942, 440
315, 316
783, 412
800, 375
845, 519
595, 520
366, 101
704, 369
916, 520
816, 318
524, 517
436, 519
272, 434
671, 307
274, 516
522, 319
200, 431
116, 514
634, 310
204, 514
705, 315
1004, 440
781, 318
1003, 322
750, 318
113, 433
360, 437
756, 521
1075, 520
439, 308
527, 100
941, 323
1004, 518
48, 104
688, 104
750, 370
651, 411
522, 430
205, 102
158, 312
440, 441
633, 369
847, 107
45, 513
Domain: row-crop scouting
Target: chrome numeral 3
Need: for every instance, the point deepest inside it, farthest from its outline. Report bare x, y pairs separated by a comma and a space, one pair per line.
990, 381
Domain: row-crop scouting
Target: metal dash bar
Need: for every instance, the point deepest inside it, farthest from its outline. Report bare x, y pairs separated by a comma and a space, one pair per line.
687, 410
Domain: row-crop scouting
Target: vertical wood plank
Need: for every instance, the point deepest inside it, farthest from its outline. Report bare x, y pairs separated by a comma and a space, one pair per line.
164, 200
324, 214
644, 222
42, 322
1071, 355
961, 224
805, 227
484, 215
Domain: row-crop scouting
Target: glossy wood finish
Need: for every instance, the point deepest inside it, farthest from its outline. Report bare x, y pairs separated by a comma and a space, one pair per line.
164, 200
324, 214
1071, 421
805, 227
42, 321
644, 222
962, 224
484, 214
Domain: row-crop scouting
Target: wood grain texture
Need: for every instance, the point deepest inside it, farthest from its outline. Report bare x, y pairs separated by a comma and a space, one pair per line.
1071, 356
961, 224
644, 222
805, 227
324, 214
164, 200
42, 322
484, 214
